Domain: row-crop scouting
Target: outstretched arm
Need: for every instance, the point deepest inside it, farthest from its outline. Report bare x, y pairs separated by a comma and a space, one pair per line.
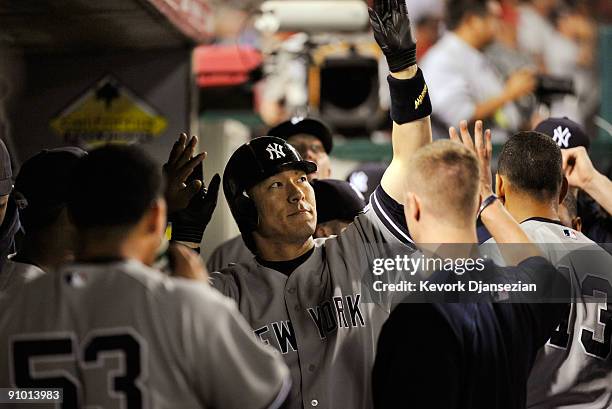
410, 105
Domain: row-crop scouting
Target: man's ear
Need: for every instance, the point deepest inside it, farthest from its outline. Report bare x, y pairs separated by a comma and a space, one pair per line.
577, 223
500, 189
564, 190
155, 222
412, 207
321, 231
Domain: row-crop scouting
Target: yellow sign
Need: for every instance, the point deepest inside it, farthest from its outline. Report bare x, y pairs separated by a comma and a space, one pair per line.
108, 112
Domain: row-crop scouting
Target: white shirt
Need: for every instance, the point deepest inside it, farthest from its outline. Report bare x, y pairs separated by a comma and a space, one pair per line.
459, 78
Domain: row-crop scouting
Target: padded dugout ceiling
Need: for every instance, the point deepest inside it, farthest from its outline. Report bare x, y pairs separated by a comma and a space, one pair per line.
69, 25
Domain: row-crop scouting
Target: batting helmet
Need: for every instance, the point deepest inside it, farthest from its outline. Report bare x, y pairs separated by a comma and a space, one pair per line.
250, 164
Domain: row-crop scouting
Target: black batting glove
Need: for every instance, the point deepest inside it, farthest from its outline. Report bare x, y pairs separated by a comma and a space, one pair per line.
188, 224
391, 26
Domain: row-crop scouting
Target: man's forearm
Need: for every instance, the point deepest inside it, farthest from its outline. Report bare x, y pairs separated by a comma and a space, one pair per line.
406, 137
600, 189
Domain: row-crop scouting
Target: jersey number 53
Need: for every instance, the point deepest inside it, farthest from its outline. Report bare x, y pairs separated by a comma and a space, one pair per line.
97, 345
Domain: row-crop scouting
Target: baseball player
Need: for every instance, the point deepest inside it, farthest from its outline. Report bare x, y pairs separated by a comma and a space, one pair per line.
302, 296
112, 332
573, 368
314, 142
41, 192
434, 354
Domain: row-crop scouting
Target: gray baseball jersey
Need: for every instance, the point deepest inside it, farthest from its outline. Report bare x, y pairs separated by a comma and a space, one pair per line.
318, 316
121, 335
574, 368
230, 251
15, 273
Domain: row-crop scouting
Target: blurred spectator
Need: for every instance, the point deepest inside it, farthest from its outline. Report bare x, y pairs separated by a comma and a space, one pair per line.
337, 205
9, 217
427, 17
463, 83
562, 42
366, 177
41, 191
507, 58
535, 31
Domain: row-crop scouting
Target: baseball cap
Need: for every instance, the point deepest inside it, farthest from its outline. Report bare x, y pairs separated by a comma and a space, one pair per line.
259, 159
6, 172
42, 184
367, 177
336, 200
565, 132
308, 126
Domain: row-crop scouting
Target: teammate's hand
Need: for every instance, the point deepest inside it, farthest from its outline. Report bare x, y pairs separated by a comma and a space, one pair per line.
181, 163
189, 224
578, 167
391, 26
482, 147
519, 84
186, 263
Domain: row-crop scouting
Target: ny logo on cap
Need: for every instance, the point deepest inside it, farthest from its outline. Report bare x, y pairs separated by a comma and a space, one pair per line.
275, 149
562, 136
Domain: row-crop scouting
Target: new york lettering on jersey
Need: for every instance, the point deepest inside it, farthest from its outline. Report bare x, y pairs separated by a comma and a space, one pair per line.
340, 313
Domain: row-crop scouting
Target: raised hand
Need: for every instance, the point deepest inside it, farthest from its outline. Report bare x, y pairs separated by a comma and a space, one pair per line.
181, 163
188, 224
391, 26
482, 147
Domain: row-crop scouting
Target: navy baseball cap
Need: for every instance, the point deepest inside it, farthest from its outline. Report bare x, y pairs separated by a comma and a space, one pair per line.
6, 172
367, 177
307, 126
42, 184
565, 132
336, 200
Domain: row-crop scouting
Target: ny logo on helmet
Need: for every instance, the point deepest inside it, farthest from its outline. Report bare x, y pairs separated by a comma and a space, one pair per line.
562, 136
274, 149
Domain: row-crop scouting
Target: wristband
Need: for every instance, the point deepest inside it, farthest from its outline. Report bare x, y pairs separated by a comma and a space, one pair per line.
486, 203
409, 98
187, 233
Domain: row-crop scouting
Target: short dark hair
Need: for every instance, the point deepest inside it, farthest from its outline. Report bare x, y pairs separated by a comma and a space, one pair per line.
457, 10
532, 162
113, 186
